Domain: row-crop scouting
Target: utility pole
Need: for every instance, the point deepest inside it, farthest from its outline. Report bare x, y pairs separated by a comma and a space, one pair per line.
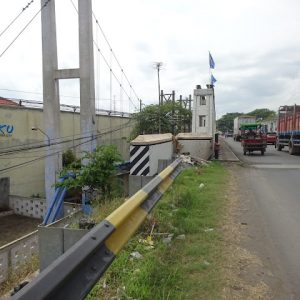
173, 112
158, 66
190, 109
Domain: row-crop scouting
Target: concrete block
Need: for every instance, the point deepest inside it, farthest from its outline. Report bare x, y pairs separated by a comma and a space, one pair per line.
162, 164
71, 236
51, 245
137, 182
3, 266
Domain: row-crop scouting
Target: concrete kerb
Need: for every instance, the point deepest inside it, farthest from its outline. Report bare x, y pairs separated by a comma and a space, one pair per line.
226, 154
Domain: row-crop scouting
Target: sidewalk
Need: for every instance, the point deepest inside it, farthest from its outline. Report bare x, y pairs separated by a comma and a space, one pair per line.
226, 153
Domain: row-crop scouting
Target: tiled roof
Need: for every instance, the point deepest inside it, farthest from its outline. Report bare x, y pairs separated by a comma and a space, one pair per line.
6, 102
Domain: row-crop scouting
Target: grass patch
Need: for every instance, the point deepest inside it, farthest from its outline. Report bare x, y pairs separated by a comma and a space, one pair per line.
186, 268
16, 277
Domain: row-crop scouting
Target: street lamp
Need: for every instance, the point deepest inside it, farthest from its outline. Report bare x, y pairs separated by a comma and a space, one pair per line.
44, 133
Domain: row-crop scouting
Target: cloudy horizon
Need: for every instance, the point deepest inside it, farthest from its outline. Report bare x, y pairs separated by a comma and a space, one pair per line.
255, 46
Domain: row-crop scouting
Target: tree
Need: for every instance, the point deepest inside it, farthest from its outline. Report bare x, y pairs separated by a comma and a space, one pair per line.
69, 158
97, 174
263, 113
167, 116
225, 123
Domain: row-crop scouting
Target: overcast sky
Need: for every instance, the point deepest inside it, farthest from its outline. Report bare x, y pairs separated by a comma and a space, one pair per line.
255, 45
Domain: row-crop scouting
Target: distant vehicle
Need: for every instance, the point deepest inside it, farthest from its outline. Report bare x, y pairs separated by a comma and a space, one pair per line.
229, 134
253, 138
237, 122
271, 138
288, 128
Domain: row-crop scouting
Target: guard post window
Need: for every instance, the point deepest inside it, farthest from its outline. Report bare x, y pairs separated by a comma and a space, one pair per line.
202, 121
201, 100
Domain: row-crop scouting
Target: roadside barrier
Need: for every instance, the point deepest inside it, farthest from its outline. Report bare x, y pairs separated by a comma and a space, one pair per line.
74, 274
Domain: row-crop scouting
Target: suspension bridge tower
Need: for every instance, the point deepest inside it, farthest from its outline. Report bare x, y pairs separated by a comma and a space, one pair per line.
51, 77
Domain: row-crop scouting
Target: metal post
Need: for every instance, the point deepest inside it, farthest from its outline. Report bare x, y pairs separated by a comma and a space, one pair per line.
173, 112
190, 109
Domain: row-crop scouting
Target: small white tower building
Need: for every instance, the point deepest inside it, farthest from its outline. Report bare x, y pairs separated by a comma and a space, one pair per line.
204, 113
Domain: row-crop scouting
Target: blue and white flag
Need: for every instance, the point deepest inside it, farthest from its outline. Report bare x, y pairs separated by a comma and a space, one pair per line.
212, 79
211, 61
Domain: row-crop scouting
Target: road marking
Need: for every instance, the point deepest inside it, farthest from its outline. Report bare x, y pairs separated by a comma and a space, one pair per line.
274, 166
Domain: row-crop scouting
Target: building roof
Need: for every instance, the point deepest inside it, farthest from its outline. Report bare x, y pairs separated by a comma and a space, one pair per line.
7, 102
193, 136
151, 139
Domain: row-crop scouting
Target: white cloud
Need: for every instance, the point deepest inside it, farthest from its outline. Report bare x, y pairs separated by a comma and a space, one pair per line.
255, 45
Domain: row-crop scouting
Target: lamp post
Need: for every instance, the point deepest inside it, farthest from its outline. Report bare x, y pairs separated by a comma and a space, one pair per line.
44, 133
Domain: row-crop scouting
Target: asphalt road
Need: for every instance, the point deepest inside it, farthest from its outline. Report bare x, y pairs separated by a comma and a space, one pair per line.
273, 185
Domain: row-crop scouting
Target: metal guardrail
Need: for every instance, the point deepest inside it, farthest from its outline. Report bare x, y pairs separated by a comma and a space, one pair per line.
74, 274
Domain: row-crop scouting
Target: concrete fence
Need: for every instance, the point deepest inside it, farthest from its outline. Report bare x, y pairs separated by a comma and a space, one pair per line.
14, 254
35, 207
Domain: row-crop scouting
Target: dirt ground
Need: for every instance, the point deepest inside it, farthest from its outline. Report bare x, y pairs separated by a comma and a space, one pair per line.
13, 227
249, 273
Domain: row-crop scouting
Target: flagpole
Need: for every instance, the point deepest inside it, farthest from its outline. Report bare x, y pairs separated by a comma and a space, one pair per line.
209, 69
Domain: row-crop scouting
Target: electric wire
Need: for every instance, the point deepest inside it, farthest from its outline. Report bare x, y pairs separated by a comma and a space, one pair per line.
15, 19
4, 170
21, 149
40, 93
24, 28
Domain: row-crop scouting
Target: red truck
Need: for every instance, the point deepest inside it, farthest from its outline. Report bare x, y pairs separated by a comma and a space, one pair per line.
288, 128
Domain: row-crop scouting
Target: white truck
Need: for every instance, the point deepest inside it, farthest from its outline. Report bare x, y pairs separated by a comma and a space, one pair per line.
237, 124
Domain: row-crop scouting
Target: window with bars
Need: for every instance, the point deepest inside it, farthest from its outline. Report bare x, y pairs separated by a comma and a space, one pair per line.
202, 121
201, 100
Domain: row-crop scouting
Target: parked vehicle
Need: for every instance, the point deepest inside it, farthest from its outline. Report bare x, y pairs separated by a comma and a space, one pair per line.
229, 134
271, 138
253, 138
237, 124
288, 128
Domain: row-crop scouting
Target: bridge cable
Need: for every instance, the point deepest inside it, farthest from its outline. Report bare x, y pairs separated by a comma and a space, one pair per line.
31, 20
13, 21
108, 64
113, 53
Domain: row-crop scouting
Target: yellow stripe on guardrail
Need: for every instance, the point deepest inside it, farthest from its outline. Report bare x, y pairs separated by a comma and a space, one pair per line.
166, 172
165, 185
119, 238
121, 213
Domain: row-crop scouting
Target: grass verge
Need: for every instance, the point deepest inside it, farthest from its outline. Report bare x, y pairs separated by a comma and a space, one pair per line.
16, 277
180, 243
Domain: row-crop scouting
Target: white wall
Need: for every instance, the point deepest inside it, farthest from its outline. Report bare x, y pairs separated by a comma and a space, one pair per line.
159, 151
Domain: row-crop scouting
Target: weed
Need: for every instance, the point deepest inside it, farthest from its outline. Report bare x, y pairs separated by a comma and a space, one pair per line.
179, 269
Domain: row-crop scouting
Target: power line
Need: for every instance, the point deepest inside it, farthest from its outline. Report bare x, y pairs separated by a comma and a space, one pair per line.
31, 20
57, 152
12, 151
40, 93
15, 19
